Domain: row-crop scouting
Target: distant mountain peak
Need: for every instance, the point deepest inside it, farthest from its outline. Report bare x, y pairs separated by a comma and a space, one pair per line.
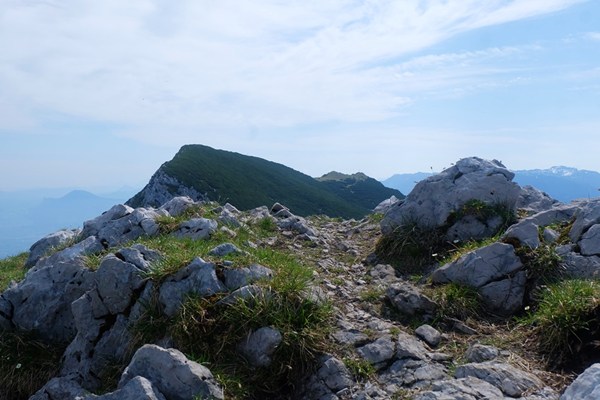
339, 176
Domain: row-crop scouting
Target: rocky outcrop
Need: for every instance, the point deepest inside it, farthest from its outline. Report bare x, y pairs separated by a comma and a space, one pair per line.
161, 189
437, 201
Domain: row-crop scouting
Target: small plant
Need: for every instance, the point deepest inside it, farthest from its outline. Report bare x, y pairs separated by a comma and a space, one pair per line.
26, 364
483, 211
372, 295
412, 247
360, 368
543, 264
12, 269
375, 217
457, 301
566, 318
266, 226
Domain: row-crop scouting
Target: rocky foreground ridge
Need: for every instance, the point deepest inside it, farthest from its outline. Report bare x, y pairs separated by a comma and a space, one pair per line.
137, 302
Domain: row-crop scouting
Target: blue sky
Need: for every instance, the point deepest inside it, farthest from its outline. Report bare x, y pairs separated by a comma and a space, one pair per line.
101, 93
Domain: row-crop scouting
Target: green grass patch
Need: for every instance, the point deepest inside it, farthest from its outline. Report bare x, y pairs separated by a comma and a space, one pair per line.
411, 247
483, 212
12, 269
26, 364
566, 318
360, 368
543, 264
372, 294
456, 301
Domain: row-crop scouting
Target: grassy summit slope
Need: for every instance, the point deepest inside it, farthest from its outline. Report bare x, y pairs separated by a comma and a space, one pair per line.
249, 182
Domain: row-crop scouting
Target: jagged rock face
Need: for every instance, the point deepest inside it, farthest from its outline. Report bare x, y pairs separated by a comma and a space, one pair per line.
162, 188
435, 199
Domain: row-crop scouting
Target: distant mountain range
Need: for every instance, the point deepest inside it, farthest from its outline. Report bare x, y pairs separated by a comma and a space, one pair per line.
562, 183
28, 215
248, 182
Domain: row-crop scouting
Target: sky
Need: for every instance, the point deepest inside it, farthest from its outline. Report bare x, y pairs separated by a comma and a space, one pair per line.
101, 93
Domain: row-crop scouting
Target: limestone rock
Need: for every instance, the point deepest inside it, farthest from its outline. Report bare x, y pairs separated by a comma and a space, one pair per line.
510, 380
334, 374
532, 199
409, 300
587, 215
409, 372
198, 277
177, 205
225, 249
469, 388
429, 335
172, 374
386, 205
260, 345
116, 281
480, 353
87, 246
49, 242
116, 212
196, 228
378, 352
505, 297
138, 388
590, 241
480, 267
121, 224
235, 278
586, 386
525, 232
42, 301
408, 346
63, 388
433, 200
139, 255
578, 266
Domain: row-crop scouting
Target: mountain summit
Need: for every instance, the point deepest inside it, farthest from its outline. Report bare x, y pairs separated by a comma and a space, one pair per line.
204, 173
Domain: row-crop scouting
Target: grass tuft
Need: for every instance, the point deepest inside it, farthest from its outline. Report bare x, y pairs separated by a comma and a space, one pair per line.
566, 318
456, 301
26, 364
12, 269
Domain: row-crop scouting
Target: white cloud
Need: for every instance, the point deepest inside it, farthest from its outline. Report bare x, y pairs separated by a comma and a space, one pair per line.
156, 66
593, 36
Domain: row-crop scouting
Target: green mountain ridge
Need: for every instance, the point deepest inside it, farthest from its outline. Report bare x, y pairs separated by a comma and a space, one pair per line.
248, 182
